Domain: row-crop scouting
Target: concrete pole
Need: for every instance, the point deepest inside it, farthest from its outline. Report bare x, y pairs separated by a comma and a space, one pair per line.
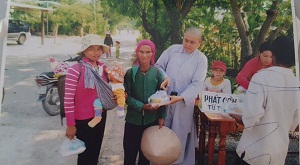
4, 10
43, 28
95, 17
295, 4
47, 28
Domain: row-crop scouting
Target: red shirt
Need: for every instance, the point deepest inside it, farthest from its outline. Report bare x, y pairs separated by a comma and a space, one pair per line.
250, 68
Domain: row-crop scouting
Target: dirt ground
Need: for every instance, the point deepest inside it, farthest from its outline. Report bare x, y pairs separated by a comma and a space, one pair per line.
29, 136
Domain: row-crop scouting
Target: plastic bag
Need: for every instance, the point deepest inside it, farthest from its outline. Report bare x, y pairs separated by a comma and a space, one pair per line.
238, 108
71, 147
159, 98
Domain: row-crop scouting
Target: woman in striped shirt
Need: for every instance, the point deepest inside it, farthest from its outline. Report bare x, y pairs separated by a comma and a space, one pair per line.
80, 94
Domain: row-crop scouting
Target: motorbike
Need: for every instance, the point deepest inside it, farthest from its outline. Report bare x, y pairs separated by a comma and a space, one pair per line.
47, 88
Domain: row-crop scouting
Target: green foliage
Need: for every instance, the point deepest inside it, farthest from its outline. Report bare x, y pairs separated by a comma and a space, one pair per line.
219, 33
221, 40
115, 21
285, 19
72, 15
134, 9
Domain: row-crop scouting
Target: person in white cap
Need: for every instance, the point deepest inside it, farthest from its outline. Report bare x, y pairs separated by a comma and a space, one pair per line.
80, 94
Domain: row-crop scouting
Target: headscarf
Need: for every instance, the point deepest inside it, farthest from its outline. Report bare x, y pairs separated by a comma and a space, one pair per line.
140, 44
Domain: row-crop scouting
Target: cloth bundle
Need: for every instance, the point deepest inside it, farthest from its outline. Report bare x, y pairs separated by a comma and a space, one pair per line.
104, 90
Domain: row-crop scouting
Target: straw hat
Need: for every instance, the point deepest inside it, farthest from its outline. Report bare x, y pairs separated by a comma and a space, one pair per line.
89, 40
160, 146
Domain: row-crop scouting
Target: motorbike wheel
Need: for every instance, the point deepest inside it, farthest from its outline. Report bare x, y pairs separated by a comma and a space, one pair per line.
51, 102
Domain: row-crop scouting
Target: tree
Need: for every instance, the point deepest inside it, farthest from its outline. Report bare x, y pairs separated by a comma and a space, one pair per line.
155, 16
112, 18
236, 36
271, 16
78, 19
243, 27
232, 30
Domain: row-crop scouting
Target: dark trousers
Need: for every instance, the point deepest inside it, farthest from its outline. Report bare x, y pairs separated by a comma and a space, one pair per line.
92, 137
239, 161
132, 143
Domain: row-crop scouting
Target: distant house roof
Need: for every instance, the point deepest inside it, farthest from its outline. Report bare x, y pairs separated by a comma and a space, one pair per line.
21, 6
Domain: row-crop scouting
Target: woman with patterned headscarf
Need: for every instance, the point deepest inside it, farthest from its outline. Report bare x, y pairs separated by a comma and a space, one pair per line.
140, 82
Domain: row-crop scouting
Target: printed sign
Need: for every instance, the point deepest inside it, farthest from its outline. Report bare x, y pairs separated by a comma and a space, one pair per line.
218, 102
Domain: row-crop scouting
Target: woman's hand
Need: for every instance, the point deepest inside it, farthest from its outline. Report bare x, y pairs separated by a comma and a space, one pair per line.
174, 99
237, 118
150, 107
161, 122
70, 132
165, 84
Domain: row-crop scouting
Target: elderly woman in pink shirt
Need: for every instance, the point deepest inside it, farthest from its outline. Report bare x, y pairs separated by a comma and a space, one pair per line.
263, 60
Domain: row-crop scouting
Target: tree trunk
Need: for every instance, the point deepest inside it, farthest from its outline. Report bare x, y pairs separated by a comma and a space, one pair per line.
274, 33
55, 32
271, 16
81, 31
175, 19
246, 49
176, 12
159, 40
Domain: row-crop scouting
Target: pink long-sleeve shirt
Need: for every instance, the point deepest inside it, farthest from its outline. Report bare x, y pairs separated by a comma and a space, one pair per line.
251, 67
78, 100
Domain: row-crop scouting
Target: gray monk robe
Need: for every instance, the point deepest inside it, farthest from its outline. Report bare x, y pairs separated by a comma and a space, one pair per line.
187, 72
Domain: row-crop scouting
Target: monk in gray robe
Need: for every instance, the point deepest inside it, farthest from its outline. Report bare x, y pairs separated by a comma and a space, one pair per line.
184, 68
